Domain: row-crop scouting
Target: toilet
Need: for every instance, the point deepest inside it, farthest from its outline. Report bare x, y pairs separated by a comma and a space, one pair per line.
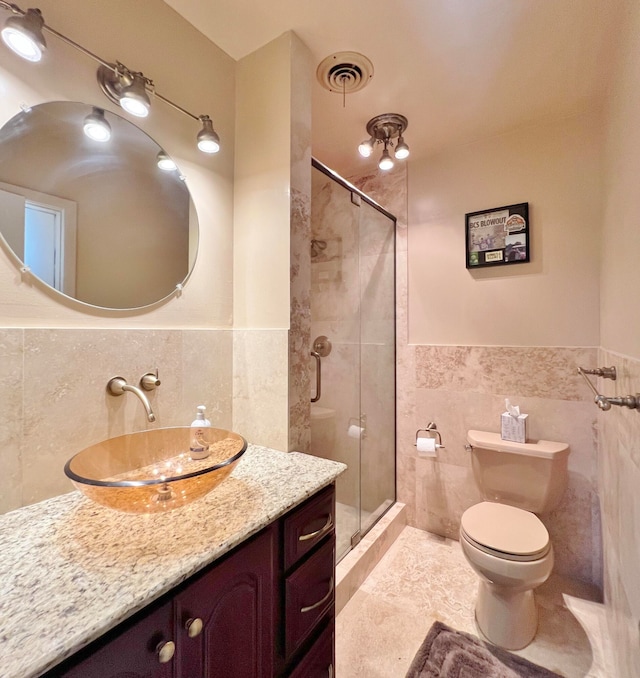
503, 540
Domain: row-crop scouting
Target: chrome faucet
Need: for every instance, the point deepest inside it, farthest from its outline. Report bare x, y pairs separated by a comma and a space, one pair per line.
118, 385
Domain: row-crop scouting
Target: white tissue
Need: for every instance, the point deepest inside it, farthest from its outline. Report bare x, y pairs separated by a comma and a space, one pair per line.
355, 431
426, 447
513, 410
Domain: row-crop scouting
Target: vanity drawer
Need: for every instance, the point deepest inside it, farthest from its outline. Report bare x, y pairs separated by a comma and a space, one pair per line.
309, 594
319, 661
308, 525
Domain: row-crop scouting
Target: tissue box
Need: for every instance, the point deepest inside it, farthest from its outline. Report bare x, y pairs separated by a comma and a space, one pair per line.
514, 428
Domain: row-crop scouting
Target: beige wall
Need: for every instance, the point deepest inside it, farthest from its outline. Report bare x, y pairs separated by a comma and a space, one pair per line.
553, 301
619, 452
261, 190
194, 73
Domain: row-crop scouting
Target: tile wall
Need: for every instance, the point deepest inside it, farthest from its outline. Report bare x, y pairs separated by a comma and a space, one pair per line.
53, 399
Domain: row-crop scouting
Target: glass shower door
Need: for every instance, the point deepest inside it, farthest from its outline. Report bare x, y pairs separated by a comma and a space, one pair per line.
353, 306
377, 364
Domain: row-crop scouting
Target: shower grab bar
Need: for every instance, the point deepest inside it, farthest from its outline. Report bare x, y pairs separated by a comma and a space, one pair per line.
605, 402
316, 355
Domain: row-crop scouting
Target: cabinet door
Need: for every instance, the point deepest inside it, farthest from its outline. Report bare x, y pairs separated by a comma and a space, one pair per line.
225, 618
137, 650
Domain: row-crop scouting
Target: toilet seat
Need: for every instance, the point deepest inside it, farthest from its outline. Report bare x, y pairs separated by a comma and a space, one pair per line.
505, 532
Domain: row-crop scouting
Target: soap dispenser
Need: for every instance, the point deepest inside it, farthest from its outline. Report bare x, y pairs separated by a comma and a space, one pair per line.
199, 448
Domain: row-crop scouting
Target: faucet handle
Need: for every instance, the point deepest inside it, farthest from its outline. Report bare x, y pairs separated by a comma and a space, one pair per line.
116, 386
150, 381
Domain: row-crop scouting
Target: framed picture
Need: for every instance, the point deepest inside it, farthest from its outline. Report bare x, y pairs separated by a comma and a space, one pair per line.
498, 236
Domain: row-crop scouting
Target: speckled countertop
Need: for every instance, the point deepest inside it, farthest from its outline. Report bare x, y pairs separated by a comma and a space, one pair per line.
70, 570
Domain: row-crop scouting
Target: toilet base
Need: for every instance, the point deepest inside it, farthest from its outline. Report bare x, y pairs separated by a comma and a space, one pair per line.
506, 618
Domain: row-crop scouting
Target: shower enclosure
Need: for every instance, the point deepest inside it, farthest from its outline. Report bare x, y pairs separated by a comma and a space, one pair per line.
353, 349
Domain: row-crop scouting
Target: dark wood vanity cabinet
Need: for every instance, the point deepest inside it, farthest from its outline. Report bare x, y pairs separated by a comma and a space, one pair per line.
264, 610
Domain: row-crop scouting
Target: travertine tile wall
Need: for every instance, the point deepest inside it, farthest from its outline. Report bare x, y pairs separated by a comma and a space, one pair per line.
464, 387
619, 476
300, 254
53, 399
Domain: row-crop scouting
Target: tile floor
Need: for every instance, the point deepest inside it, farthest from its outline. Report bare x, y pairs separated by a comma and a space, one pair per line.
423, 578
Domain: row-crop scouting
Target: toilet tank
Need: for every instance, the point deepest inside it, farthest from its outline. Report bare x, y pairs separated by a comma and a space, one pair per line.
531, 476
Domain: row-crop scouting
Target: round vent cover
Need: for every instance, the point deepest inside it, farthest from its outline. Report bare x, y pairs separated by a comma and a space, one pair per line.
344, 72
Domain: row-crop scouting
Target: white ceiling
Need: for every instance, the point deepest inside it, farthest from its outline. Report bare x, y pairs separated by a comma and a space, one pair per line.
460, 70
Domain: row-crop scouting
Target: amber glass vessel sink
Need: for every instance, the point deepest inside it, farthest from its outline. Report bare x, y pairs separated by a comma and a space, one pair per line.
155, 470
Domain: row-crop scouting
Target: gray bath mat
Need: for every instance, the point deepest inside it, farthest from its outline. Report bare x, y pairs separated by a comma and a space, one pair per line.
446, 653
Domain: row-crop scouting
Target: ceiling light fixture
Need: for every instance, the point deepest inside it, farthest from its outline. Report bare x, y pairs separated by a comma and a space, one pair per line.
382, 130
23, 33
96, 126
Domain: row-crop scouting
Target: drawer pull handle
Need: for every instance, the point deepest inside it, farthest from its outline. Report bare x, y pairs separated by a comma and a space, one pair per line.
165, 651
330, 670
320, 602
312, 535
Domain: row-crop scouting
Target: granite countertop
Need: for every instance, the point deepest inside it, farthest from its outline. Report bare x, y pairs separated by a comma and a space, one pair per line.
70, 570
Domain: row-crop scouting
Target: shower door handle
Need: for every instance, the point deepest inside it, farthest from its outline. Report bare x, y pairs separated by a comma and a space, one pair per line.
316, 355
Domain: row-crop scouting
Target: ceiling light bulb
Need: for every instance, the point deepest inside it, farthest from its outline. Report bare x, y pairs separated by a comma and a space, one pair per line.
23, 35
402, 150
386, 163
165, 163
366, 147
134, 98
208, 140
96, 126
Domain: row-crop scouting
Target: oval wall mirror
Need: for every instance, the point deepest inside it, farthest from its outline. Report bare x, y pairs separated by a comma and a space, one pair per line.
98, 221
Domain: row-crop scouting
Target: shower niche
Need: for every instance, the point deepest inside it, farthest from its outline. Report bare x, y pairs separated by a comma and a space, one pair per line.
353, 304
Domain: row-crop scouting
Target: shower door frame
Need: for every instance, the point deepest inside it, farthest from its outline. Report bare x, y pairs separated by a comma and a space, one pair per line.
356, 196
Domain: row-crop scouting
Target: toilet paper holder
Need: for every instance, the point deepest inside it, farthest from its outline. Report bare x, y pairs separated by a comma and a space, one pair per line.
432, 432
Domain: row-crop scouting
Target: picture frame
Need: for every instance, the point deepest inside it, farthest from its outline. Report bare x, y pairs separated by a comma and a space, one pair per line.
498, 236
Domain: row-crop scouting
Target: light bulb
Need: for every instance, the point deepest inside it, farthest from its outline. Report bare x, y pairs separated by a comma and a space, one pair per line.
402, 150
386, 163
366, 147
165, 163
208, 140
134, 98
23, 35
96, 126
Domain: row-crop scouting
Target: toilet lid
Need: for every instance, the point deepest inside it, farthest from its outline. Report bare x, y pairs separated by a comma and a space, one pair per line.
506, 529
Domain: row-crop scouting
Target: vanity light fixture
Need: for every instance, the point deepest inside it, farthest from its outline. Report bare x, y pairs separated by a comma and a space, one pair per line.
96, 126
382, 130
23, 33
165, 163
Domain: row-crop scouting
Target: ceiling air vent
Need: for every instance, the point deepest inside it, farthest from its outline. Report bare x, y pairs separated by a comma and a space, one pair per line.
344, 72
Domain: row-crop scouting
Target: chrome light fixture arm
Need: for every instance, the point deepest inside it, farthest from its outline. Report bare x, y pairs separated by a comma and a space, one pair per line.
111, 77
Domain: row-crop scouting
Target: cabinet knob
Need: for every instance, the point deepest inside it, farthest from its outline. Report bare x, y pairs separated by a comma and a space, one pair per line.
193, 627
165, 651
